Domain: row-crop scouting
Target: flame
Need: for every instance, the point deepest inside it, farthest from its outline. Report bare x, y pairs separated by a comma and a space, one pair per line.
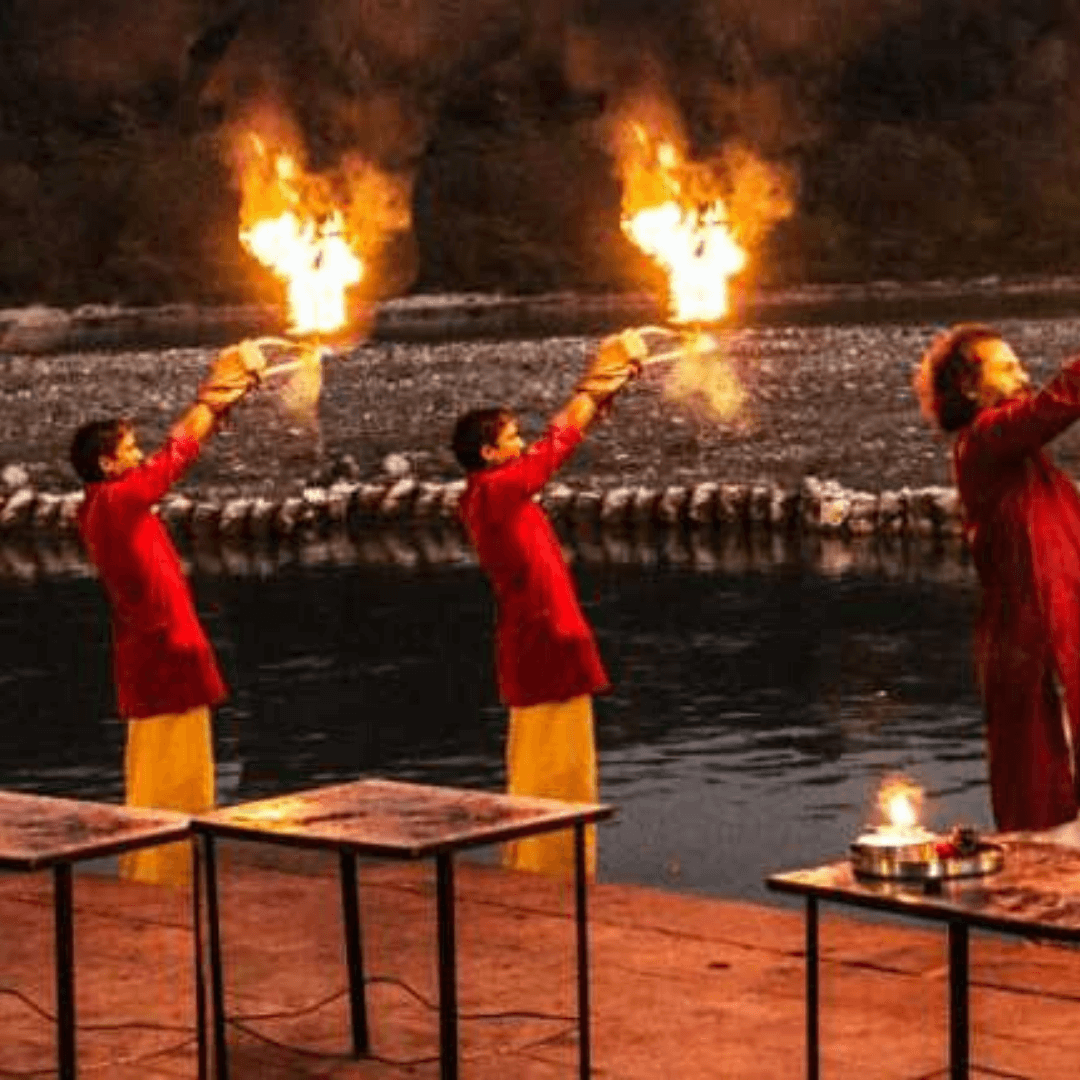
900, 802
289, 224
669, 215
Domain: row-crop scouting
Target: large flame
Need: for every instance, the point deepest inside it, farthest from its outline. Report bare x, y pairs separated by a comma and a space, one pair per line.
685, 230
290, 225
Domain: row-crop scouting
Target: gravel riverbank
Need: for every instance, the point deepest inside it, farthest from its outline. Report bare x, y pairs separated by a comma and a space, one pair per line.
826, 400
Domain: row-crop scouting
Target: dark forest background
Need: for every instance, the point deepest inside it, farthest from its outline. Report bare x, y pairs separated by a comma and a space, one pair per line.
924, 138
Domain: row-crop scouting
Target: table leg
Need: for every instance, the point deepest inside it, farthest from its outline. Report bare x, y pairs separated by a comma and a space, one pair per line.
217, 984
200, 974
448, 1018
958, 1001
63, 912
584, 1062
813, 1049
350, 911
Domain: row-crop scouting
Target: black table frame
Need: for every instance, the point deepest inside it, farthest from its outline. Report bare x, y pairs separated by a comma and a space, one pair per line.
206, 831
897, 900
61, 866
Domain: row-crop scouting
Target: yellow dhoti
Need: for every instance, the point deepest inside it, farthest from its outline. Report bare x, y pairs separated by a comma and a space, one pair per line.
551, 753
168, 765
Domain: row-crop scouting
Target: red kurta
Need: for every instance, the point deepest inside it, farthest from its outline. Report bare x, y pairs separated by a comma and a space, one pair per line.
162, 660
1023, 526
544, 648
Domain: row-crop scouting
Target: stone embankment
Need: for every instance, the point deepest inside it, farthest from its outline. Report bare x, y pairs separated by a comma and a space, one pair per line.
821, 507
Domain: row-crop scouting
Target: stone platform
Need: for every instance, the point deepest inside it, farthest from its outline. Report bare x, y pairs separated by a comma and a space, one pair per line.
683, 986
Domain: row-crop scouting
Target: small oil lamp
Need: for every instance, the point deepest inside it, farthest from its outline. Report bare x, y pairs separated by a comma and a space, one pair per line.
901, 849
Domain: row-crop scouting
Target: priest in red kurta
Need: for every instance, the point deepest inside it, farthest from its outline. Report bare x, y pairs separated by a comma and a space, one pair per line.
1022, 524
547, 663
166, 675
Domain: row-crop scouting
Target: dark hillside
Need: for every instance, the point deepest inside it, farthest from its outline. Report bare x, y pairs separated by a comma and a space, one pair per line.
927, 138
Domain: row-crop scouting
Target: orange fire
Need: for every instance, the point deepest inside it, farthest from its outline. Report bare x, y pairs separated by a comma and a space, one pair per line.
289, 223
671, 215
899, 801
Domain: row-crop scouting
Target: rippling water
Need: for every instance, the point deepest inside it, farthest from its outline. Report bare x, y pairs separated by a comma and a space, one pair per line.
754, 712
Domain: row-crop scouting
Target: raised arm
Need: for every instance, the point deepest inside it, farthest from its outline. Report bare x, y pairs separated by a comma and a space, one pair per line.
1023, 425
232, 373
147, 483
578, 413
196, 423
616, 362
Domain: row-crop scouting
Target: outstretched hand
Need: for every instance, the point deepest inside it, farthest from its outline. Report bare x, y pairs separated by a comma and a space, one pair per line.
233, 372
617, 361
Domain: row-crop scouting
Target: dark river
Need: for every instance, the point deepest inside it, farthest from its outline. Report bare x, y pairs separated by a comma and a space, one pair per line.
757, 704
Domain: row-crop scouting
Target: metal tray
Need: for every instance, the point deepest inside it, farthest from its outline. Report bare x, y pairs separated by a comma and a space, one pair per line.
920, 862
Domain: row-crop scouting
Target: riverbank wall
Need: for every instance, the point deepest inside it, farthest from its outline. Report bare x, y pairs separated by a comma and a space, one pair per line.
712, 526
823, 507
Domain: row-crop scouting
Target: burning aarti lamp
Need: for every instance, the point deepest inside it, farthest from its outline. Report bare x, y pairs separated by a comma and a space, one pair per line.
666, 344
901, 849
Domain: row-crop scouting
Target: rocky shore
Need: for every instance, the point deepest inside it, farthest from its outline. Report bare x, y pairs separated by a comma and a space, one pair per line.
828, 438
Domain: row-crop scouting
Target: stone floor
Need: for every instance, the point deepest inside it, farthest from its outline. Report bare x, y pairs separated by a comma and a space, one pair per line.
683, 986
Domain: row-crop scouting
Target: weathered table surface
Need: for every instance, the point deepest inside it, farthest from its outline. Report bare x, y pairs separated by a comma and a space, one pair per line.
1037, 891
387, 817
40, 831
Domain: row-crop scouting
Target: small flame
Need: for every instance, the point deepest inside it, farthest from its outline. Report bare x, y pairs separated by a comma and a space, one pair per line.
289, 228
688, 234
705, 381
900, 802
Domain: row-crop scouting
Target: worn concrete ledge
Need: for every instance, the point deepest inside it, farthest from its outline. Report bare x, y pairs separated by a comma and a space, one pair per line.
688, 986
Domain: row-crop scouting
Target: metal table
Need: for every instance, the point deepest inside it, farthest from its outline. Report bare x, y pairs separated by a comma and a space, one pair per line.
1035, 895
38, 832
404, 821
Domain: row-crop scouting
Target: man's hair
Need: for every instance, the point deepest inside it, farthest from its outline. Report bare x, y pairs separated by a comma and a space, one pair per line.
948, 375
474, 431
93, 441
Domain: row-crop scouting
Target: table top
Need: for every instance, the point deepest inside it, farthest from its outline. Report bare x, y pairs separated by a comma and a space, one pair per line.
386, 817
1036, 893
39, 831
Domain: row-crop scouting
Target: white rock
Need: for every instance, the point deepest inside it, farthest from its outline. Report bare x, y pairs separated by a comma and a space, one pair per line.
396, 465
17, 510
14, 477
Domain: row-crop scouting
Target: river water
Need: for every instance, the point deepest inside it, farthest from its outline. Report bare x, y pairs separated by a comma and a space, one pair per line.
755, 709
